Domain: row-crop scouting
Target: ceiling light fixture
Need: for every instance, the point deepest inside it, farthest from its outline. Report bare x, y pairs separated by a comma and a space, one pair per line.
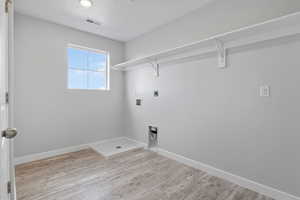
86, 3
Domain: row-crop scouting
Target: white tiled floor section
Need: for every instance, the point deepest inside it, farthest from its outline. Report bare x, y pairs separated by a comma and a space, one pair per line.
115, 146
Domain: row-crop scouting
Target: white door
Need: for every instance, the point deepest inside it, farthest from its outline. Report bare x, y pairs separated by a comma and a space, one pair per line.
6, 166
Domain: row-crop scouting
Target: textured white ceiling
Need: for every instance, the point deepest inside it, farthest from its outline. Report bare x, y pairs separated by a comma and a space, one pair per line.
120, 19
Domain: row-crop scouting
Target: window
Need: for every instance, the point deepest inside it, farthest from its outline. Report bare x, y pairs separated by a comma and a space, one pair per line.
87, 69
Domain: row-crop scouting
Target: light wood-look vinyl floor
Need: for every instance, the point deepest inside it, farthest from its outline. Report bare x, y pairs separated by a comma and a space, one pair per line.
135, 175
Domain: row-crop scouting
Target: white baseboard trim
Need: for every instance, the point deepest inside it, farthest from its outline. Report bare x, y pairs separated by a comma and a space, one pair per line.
246, 183
43, 155
243, 182
48, 154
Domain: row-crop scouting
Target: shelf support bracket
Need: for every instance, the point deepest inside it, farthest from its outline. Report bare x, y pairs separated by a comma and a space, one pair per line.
221, 53
155, 66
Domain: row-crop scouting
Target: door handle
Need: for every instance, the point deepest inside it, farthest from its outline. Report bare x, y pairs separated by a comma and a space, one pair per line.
9, 133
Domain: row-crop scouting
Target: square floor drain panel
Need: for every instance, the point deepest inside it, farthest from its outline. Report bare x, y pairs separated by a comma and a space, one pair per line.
115, 146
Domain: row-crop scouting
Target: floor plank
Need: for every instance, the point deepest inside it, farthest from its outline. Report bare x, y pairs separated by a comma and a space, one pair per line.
134, 175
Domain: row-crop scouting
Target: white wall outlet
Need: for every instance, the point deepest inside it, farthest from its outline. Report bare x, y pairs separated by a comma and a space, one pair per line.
264, 91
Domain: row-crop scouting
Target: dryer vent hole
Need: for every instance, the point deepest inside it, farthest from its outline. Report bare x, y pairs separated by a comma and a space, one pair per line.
118, 147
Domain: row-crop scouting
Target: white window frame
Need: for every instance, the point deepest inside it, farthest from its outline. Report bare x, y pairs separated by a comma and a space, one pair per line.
75, 46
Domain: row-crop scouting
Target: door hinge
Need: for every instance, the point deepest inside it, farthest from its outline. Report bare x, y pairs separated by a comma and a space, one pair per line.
7, 2
6, 98
9, 187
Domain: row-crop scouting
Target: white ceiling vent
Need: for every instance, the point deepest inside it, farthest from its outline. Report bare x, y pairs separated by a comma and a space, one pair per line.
90, 21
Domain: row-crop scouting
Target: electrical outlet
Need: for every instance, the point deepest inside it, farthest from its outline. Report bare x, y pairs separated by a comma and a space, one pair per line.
155, 94
264, 91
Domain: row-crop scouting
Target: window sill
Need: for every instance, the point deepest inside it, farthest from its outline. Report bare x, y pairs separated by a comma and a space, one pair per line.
101, 90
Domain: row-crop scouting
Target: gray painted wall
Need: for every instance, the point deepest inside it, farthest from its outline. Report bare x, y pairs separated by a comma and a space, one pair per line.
42, 100
216, 116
